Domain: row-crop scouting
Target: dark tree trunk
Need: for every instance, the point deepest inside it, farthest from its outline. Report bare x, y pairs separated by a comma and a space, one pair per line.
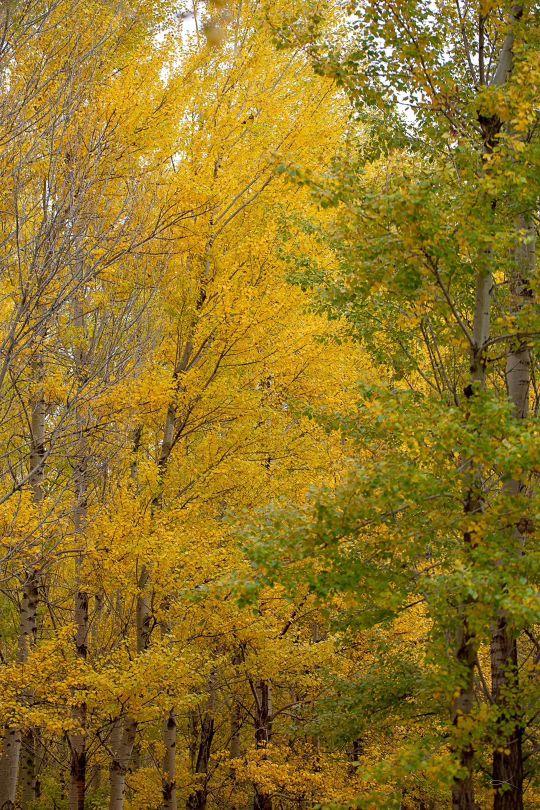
78, 777
508, 756
263, 735
198, 798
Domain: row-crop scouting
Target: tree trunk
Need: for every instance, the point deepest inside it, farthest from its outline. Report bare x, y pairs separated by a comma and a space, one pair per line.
169, 763
77, 741
463, 787
169, 727
236, 717
465, 641
263, 736
120, 765
30, 767
508, 753
9, 768
144, 612
262, 801
77, 791
466, 644
357, 750
198, 798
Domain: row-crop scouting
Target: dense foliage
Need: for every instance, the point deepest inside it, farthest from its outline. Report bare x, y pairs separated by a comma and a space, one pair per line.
269, 439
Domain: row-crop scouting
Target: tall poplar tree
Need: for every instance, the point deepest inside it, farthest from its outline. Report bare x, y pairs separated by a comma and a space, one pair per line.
437, 192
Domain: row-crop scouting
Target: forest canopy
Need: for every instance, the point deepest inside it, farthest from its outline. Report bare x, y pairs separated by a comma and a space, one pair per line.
269, 398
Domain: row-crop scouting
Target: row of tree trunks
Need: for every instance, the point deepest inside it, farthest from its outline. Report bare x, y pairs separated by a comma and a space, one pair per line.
125, 751
171, 435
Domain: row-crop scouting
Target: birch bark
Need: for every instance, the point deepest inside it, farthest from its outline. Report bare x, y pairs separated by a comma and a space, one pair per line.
120, 764
169, 763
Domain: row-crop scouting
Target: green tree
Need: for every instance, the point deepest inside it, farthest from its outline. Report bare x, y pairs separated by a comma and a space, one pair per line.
436, 198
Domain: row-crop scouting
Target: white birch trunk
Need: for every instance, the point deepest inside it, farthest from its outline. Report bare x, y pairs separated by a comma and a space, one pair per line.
169, 763
120, 765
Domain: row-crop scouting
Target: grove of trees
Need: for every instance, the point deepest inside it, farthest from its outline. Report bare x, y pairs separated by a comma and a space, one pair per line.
269, 395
